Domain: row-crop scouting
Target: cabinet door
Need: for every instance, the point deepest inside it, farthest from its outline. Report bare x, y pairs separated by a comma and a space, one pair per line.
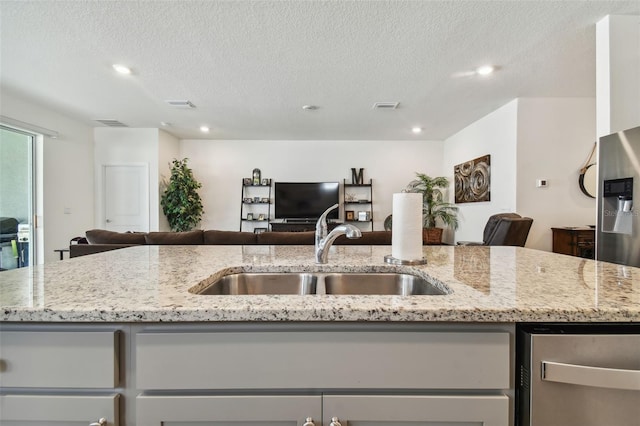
198, 410
418, 410
44, 410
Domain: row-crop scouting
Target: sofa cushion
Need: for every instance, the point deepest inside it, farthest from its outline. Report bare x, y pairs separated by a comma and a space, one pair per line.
372, 238
177, 238
101, 236
287, 238
229, 237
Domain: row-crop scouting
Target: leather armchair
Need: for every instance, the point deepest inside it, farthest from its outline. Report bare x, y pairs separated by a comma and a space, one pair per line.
504, 229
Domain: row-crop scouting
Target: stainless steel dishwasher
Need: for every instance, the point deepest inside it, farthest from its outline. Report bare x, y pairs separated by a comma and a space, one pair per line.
578, 374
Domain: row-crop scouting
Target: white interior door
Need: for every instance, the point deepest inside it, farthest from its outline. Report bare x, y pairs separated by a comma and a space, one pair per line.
126, 197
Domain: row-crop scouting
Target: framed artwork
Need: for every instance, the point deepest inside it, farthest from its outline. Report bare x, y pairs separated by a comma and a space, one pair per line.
349, 215
472, 180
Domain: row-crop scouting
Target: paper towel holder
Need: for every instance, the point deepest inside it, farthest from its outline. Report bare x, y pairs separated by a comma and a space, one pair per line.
392, 260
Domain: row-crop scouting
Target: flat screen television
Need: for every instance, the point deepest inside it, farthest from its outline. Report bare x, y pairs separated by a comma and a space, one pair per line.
305, 200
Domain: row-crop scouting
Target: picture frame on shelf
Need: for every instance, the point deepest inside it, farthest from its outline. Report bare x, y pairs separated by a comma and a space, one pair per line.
261, 216
364, 216
349, 215
259, 230
246, 181
256, 199
249, 216
247, 200
266, 182
264, 200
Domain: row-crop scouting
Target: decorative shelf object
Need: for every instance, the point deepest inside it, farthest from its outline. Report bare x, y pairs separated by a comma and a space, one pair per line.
255, 204
358, 203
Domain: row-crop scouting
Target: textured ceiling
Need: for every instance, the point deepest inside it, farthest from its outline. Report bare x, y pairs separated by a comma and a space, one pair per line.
249, 66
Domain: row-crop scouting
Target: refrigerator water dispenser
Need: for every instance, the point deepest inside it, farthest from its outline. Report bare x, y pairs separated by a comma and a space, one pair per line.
617, 205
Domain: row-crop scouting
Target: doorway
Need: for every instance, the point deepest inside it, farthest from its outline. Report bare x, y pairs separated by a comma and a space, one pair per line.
17, 202
126, 197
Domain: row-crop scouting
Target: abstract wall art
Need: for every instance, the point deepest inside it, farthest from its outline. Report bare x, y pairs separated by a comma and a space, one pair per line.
472, 180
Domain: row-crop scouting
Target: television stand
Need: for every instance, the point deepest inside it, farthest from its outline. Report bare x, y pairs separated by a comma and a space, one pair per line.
297, 226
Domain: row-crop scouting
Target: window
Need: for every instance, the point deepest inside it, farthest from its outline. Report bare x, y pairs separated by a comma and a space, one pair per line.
17, 205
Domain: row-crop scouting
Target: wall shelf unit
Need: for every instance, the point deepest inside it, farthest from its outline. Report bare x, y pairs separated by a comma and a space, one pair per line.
358, 203
255, 207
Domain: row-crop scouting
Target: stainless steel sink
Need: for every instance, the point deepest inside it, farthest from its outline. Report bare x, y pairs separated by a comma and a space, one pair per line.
379, 283
344, 283
263, 283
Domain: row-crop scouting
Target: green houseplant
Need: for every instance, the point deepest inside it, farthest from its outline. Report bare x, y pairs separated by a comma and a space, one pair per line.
180, 202
434, 207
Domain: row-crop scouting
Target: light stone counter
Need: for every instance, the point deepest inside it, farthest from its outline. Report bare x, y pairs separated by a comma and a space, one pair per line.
486, 284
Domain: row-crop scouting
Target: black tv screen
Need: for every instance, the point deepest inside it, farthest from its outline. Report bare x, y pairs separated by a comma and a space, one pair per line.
305, 200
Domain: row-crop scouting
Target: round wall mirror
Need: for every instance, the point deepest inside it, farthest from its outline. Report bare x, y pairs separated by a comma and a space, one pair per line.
588, 180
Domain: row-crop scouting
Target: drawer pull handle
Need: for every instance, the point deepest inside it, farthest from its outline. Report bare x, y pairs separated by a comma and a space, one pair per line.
309, 422
334, 422
101, 422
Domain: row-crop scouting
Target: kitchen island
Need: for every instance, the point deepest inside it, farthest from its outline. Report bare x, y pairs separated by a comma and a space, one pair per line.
486, 284
118, 335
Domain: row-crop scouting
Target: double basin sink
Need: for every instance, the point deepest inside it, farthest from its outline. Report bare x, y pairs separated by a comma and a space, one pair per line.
342, 283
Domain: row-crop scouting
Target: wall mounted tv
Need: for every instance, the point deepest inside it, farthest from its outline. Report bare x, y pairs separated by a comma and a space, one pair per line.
305, 200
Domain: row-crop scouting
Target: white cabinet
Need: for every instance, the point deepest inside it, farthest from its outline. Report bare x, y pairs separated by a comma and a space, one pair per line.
328, 410
381, 378
63, 375
71, 409
392, 410
265, 410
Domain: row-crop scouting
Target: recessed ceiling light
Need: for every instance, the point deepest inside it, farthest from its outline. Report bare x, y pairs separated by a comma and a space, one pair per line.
204, 129
122, 69
485, 70
310, 107
416, 130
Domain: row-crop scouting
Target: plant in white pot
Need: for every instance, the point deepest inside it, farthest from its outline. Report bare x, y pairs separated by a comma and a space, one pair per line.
434, 207
180, 202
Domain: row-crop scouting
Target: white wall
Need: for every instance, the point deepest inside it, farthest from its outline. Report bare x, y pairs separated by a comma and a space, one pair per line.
529, 139
221, 165
555, 137
495, 135
67, 173
119, 146
617, 71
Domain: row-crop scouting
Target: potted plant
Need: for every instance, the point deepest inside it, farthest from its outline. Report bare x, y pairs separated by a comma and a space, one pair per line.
180, 202
434, 206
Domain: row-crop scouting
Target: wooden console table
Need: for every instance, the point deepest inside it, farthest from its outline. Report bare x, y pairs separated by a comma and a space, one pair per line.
575, 241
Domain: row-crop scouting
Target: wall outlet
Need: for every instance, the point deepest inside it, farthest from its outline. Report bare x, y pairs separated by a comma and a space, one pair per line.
542, 183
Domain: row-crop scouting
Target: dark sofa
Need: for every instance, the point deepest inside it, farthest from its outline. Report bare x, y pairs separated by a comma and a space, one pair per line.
100, 240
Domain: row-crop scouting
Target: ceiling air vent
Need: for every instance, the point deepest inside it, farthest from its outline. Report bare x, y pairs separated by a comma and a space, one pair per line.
181, 104
112, 123
386, 105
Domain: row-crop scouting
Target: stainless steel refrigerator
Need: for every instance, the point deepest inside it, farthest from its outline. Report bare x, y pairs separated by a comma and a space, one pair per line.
618, 228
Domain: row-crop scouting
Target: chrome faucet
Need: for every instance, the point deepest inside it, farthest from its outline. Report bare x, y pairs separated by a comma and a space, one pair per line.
325, 239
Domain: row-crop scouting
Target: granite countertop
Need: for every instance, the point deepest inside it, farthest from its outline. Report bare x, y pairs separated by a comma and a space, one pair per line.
486, 284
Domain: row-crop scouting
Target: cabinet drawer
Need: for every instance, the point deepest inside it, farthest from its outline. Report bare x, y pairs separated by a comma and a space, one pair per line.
327, 360
62, 359
225, 410
83, 409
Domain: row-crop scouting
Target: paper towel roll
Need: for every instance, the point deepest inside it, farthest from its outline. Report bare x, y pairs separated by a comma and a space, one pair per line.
406, 237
